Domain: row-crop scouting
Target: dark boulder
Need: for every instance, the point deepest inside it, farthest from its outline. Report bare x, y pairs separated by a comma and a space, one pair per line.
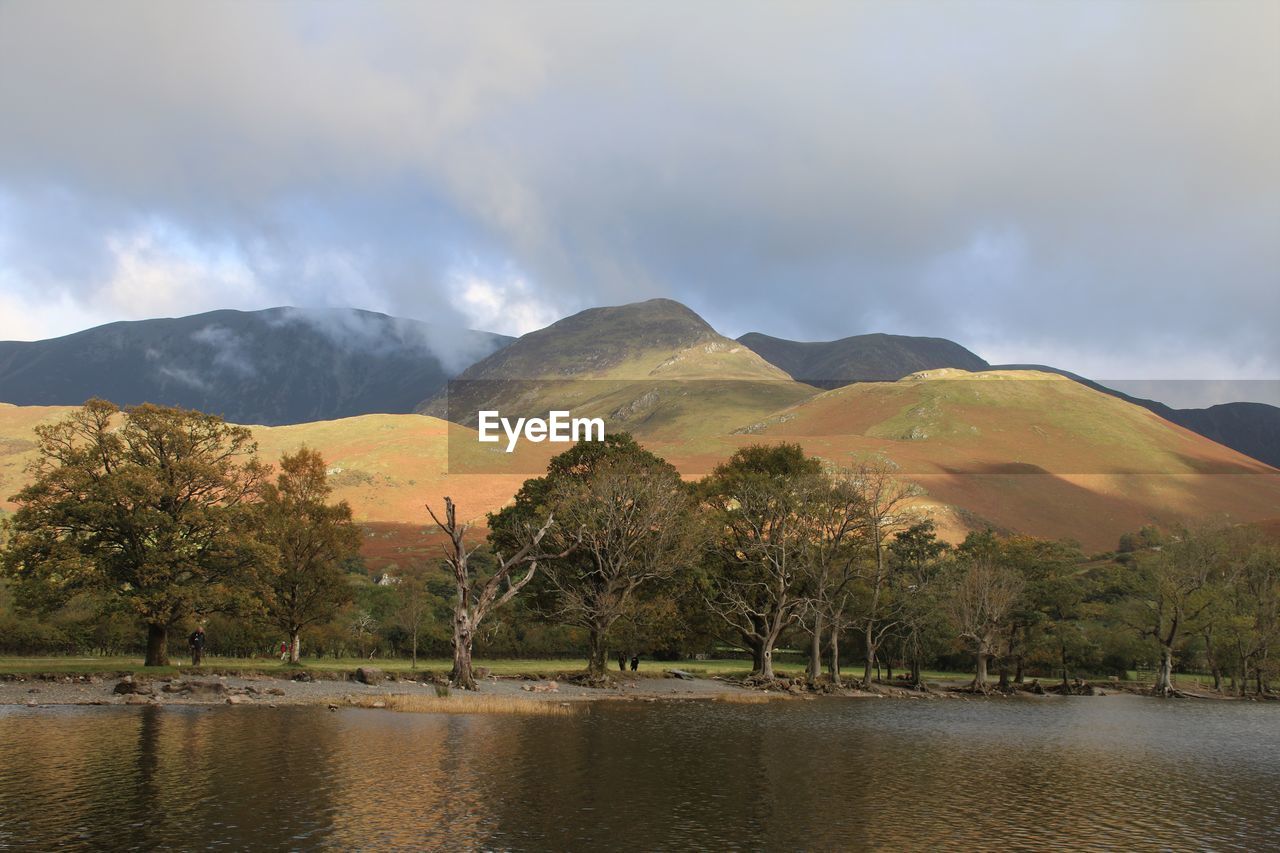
369, 675
129, 687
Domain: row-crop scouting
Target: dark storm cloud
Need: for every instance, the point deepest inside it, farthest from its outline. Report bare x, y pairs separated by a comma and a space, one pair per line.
1093, 185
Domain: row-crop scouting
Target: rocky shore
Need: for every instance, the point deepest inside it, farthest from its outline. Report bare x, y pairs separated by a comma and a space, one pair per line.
362, 687
370, 687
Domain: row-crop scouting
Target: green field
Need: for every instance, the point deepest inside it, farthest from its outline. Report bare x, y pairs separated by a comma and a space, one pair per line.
548, 668
509, 666
505, 666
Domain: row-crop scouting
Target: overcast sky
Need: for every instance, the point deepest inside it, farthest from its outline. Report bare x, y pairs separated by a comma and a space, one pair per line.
1094, 185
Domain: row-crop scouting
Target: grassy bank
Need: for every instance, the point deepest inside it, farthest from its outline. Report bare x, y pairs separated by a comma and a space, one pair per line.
514, 667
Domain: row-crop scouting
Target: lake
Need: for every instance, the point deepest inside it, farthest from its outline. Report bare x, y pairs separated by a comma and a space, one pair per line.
1116, 771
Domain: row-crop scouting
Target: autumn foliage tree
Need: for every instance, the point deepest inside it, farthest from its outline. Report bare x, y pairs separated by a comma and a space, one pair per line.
308, 539
625, 522
148, 508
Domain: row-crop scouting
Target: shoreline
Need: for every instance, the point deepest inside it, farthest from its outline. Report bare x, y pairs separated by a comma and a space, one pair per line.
496, 694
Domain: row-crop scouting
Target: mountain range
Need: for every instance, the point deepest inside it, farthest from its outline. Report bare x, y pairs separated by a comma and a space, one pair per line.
1021, 448
288, 365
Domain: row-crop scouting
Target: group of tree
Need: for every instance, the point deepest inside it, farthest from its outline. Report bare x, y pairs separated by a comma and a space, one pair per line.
165, 515
156, 517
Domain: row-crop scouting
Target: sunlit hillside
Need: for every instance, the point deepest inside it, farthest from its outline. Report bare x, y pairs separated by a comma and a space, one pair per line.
1031, 452
1017, 451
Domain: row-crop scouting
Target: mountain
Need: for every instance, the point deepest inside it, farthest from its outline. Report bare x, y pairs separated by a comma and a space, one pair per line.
1251, 428
651, 368
1012, 450
1032, 452
278, 366
385, 466
1020, 450
861, 358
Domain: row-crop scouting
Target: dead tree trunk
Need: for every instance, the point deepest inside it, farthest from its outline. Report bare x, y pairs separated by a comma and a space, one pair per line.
472, 600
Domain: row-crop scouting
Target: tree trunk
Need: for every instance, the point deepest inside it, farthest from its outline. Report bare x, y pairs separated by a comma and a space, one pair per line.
833, 668
461, 676
756, 646
815, 649
766, 662
1164, 675
413, 655
870, 647
295, 645
980, 676
595, 659
157, 644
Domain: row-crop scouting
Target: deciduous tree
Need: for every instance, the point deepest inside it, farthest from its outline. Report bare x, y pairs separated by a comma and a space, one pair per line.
148, 507
310, 539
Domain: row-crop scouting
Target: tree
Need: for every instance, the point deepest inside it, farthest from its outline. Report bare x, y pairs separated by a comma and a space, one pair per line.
476, 596
917, 556
759, 543
633, 520
311, 541
832, 508
415, 604
983, 592
148, 508
363, 626
884, 500
626, 523
1171, 592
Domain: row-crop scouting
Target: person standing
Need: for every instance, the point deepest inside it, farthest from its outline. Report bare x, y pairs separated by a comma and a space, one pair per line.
284, 650
196, 642
635, 662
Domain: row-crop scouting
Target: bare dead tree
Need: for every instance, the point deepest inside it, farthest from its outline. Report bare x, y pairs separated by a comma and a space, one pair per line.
476, 597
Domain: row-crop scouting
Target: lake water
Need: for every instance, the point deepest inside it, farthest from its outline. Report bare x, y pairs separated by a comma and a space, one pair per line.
1115, 771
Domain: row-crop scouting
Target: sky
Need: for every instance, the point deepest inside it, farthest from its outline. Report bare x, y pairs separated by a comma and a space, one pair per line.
1092, 185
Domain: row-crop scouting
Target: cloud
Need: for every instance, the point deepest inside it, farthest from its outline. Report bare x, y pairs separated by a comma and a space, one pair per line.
451, 343
229, 349
1092, 184
184, 376
508, 305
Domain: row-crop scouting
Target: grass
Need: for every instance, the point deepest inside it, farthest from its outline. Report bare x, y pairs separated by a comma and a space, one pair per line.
505, 666
534, 667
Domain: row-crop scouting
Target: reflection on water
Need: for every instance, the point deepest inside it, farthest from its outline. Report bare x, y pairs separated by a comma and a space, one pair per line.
1111, 772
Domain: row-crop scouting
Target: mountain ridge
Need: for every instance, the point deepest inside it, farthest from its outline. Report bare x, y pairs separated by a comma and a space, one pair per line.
274, 366
875, 357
